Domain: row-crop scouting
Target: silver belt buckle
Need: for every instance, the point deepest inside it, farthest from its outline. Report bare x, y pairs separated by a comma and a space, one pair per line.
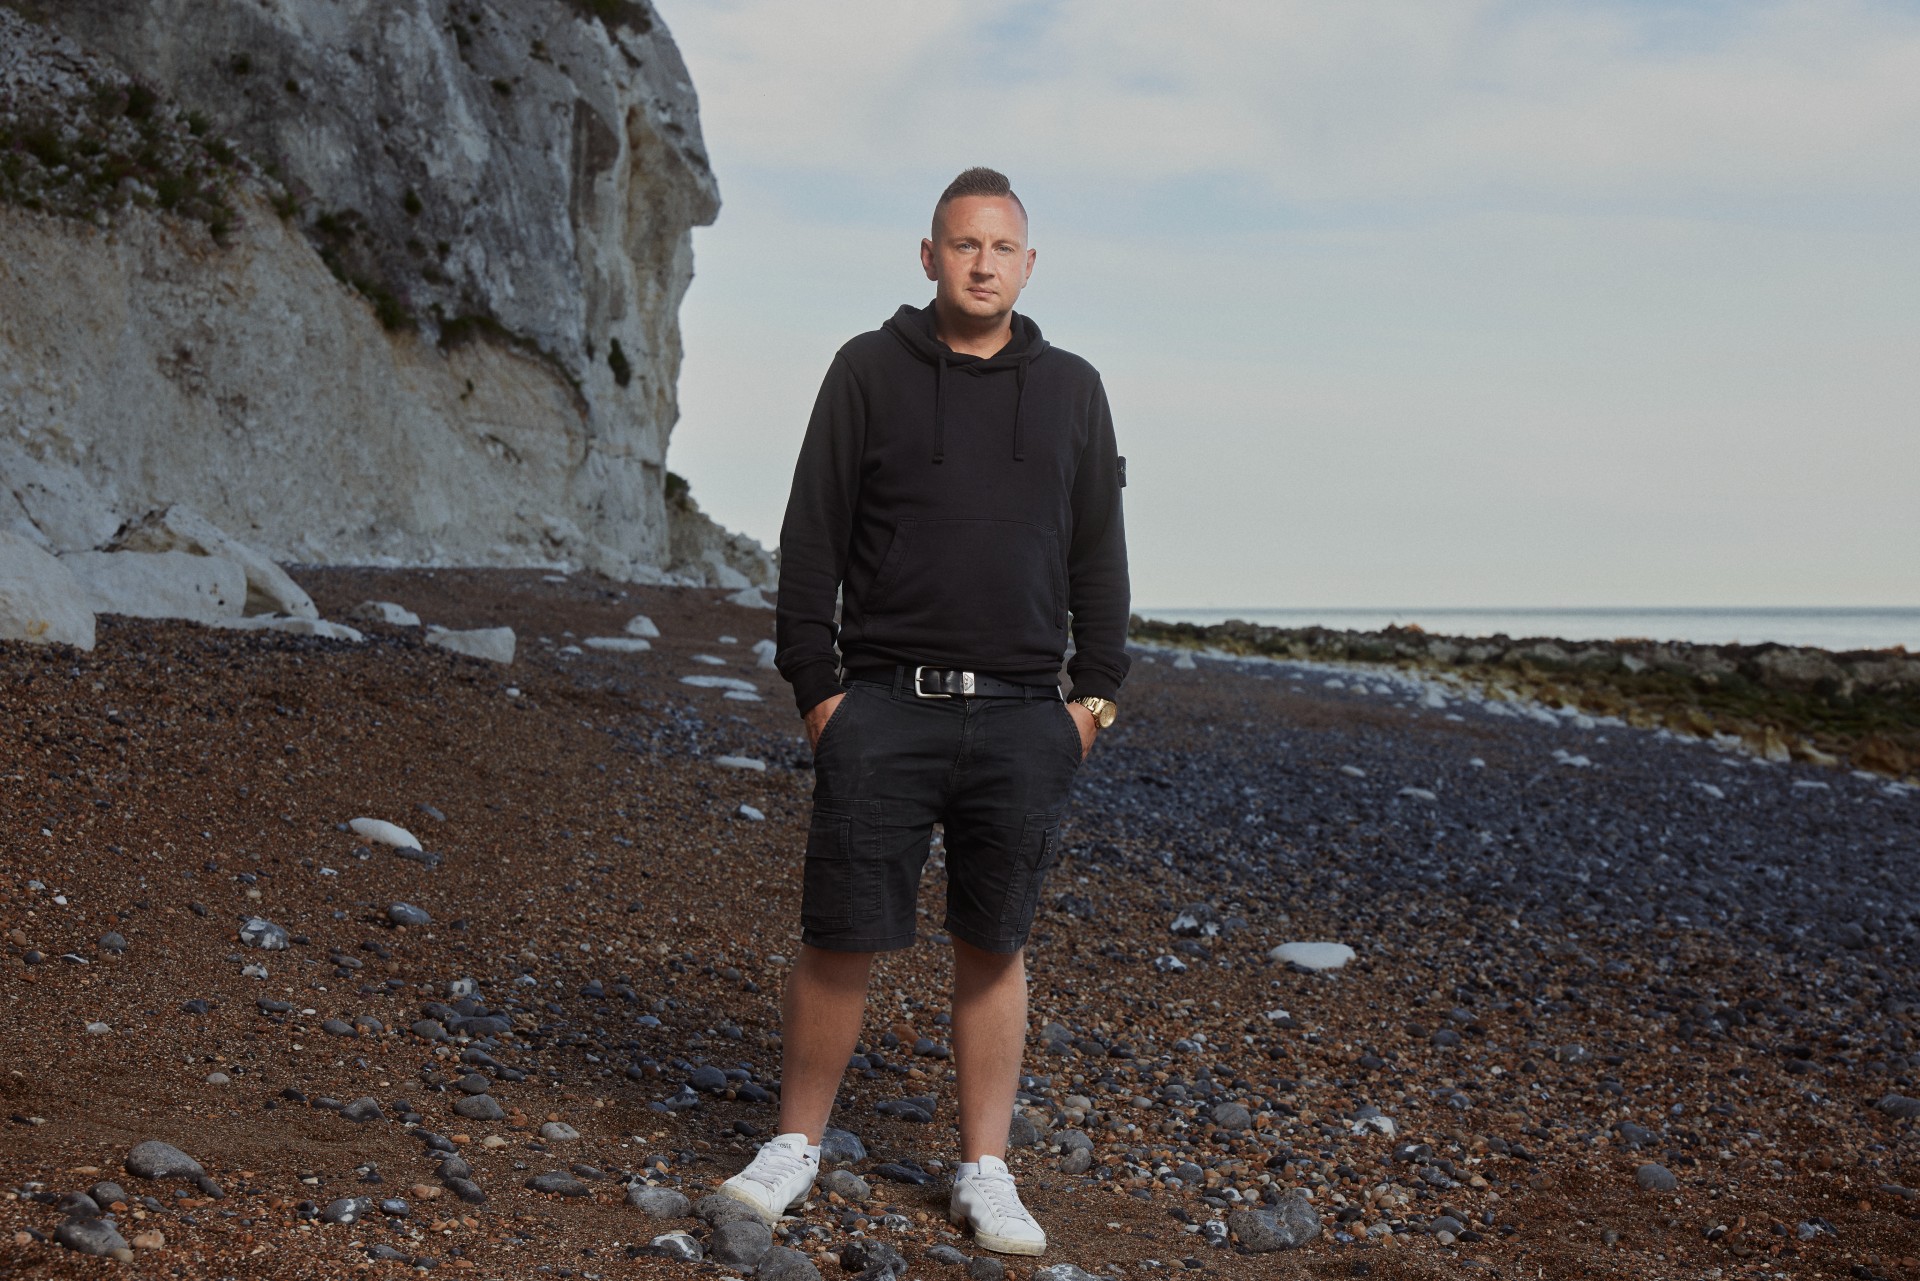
966, 684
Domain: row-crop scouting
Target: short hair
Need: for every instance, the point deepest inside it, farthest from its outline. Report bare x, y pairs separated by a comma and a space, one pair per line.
977, 181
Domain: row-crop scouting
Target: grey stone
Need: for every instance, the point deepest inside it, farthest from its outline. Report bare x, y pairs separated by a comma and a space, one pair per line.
1901, 1106
677, 1245
408, 914
841, 1147
259, 932
784, 1264
1064, 1272
156, 1160
466, 1189
480, 1107
1293, 1222
557, 1183
1077, 1161
395, 1208
1655, 1177
558, 1132
473, 1083
717, 1208
78, 1205
877, 1258
1232, 1116
708, 1080
339, 1027
114, 942
846, 1183
946, 1254
455, 1167
105, 1193
1022, 1132
1072, 1140
740, 1242
984, 1267
347, 1209
365, 1108
657, 1203
92, 1236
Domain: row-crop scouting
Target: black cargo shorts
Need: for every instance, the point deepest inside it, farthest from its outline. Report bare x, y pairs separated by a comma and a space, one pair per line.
889, 765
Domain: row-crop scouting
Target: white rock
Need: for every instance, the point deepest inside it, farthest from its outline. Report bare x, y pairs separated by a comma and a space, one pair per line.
619, 644
1476, 762
711, 660
742, 762
1183, 661
641, 625
200, 589
1381, 1125
1434, 698
1353, 771
558, 1132
1418, 794
384, 611
1313, 956
751, 814
742, 696
98, 1029
382, 832
179, 528
1712, 791
298, 626
733, 683
39, 600
765, 650
750, 598
495, 644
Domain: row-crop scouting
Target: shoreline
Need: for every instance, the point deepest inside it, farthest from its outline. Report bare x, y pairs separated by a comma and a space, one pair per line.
1859, 708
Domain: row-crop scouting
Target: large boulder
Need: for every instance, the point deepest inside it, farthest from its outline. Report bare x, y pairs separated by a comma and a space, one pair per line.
200, 589
180, 528
39, 600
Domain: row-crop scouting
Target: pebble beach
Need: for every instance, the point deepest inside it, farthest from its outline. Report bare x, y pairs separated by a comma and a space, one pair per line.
332, 959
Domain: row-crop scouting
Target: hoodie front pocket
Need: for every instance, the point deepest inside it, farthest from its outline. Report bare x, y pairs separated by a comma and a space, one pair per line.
981, 582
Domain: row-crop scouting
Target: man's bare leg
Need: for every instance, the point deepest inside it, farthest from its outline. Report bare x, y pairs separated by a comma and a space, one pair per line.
989, 1039
820, 1013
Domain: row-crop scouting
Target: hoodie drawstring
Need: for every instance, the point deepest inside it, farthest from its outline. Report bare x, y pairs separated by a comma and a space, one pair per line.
1019, 394
939, 408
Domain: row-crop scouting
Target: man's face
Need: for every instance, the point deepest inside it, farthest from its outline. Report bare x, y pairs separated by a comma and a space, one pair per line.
978, 256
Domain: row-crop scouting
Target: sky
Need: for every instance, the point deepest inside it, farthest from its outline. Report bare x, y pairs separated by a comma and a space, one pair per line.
1405, 303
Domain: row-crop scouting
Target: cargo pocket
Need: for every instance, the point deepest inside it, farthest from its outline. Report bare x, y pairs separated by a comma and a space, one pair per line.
1039, 849
840, 889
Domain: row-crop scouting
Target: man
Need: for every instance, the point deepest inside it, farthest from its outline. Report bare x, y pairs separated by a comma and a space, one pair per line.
959, 490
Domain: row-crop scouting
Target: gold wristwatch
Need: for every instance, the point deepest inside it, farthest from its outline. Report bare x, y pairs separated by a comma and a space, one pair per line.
1103, 709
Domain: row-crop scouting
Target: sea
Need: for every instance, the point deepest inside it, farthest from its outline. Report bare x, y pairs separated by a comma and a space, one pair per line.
1841, 629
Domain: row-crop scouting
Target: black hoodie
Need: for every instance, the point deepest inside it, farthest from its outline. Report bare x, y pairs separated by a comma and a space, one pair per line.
963, 507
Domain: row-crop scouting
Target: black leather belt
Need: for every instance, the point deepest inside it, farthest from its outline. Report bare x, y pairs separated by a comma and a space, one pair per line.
941, 682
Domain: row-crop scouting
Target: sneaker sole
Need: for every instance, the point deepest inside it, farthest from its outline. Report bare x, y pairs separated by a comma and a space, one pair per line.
998, 1244
746, 1199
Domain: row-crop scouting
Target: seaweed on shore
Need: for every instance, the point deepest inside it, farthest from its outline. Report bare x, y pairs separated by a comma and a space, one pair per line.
1783, 702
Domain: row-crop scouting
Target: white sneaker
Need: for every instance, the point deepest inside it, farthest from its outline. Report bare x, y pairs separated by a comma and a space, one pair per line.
779, 1175
990, 1204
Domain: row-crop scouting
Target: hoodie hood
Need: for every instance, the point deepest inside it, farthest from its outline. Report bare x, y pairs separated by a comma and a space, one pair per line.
913, 327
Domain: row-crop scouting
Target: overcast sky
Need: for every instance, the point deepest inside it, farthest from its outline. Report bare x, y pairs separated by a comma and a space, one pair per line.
1434, 302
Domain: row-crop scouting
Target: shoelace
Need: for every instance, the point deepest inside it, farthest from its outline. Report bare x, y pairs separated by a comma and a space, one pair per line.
773, 1166
1002, 1195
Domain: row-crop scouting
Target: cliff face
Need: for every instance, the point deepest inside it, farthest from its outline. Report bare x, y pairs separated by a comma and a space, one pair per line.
429, 314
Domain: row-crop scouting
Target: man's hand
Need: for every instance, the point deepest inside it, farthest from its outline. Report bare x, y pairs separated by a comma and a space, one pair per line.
1083, 719
821, 712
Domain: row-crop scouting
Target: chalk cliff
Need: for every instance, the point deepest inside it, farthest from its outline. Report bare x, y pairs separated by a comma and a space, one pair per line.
360, 281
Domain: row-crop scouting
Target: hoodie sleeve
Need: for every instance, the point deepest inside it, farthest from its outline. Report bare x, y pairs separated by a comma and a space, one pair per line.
1097, 588
815, 535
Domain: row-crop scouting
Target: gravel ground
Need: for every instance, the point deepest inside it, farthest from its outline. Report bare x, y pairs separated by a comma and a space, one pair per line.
1618, 1005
